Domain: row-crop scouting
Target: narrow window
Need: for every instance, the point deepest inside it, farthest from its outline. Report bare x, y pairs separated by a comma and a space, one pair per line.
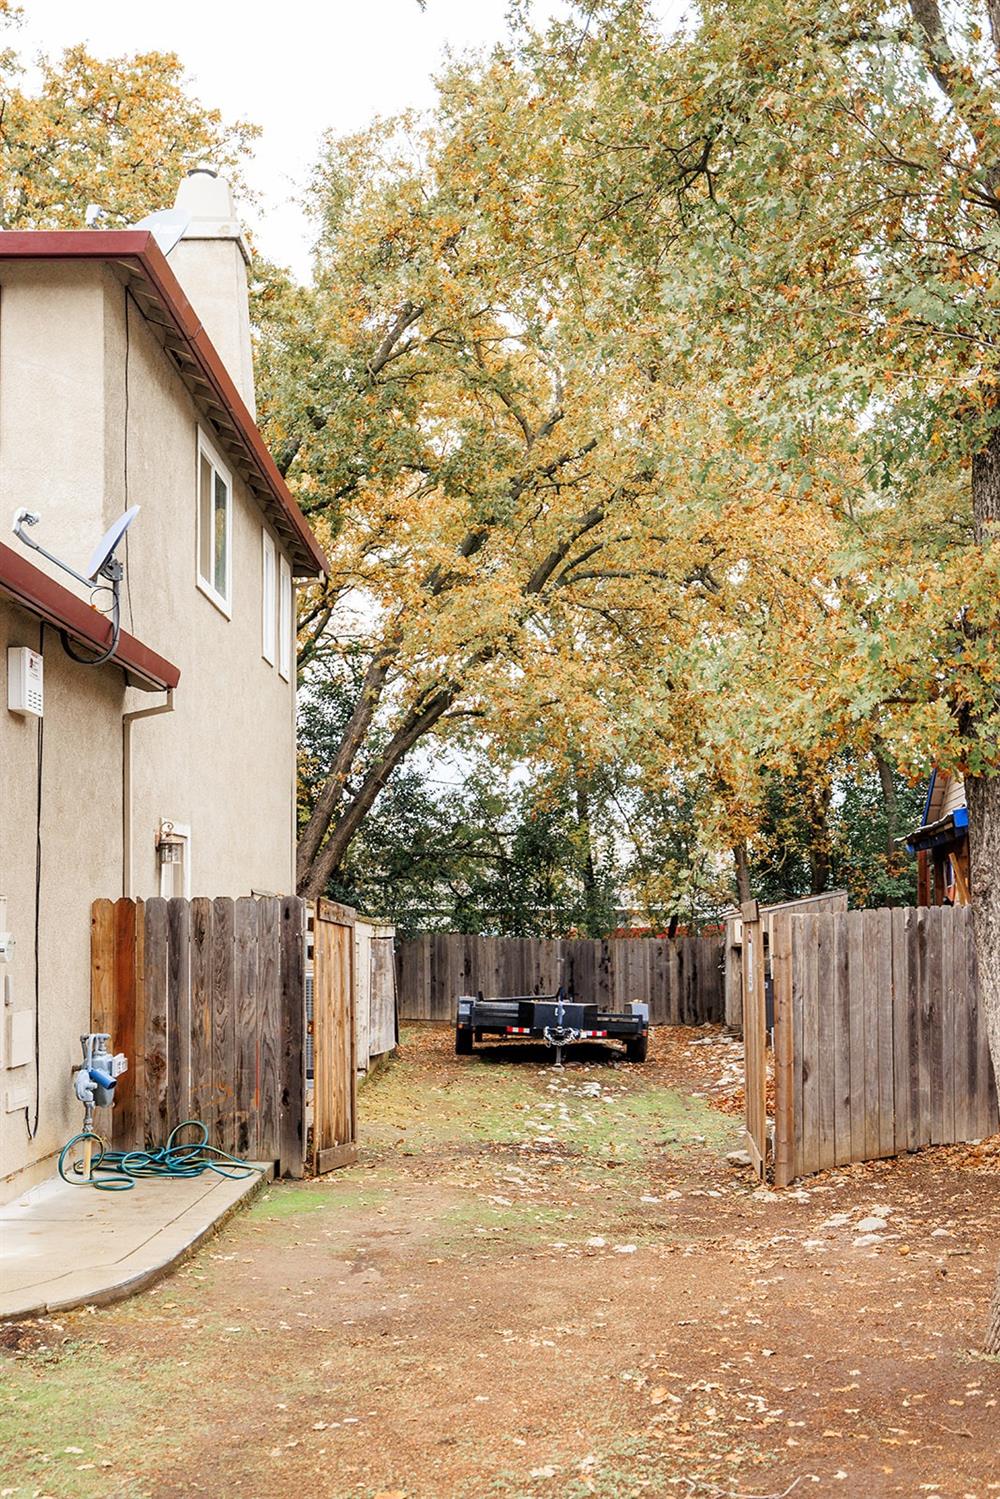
267, 599
215, 505
286, 623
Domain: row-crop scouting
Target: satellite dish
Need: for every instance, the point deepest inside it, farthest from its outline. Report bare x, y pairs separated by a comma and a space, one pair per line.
167, 226
104, 551
103, 564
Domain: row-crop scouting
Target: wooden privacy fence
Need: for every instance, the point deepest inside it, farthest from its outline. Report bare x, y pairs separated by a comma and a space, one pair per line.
681, 981
880, 1043
831, 903
207, 1000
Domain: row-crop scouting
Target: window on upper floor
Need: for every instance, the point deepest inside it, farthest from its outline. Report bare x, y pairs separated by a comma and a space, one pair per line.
268, 597
215, 525
286, 622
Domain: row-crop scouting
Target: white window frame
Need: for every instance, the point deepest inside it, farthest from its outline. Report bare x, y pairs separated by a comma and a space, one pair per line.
268, 597
222, 601
286, 619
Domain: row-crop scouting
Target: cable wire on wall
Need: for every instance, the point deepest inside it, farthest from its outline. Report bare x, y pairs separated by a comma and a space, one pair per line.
32, 1128
128, 353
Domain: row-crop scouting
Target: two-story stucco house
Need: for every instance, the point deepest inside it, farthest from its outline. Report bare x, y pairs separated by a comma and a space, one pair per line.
126, 379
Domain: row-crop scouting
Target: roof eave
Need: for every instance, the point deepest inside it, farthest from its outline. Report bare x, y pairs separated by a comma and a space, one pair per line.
139, 248
48, 600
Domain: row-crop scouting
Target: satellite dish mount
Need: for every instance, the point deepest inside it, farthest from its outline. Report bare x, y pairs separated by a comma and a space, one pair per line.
103, 564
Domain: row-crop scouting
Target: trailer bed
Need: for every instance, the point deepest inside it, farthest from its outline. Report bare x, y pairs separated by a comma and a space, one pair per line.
555, 1019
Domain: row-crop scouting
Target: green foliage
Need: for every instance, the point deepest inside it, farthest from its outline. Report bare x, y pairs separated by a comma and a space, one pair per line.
842, 830
471, 842
116, 134
463, 846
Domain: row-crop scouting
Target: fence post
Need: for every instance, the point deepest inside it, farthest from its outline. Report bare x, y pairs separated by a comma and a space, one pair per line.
755, 1035
784, 1086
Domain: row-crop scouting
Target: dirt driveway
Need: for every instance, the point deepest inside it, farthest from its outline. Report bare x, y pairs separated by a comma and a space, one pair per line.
541, 1285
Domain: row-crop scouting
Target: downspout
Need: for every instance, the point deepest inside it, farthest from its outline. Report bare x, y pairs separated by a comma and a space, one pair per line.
128, 719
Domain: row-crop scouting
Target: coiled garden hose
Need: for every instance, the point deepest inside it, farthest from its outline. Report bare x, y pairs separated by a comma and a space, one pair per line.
188, 1158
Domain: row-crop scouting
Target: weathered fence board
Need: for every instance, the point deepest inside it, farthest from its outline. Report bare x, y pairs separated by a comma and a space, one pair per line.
269, 1029
154, 1045
382, 1030
202, 1092
206, 998
375, 1001
223, 1018
292, 1035
880, 1042
681, 981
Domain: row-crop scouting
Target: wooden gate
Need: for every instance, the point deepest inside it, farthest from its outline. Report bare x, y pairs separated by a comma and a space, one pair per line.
207, 1000
880, 1040
334, 1134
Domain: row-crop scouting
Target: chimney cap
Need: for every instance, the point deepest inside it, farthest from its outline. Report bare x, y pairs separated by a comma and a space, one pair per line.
208, 201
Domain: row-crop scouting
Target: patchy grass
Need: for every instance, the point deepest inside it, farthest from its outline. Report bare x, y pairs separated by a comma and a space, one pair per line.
596, 1109
68, 1418
537, 1285
284, 1201
335, 1194
518, 1223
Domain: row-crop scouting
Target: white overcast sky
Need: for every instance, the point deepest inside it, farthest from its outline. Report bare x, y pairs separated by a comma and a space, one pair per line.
295, 67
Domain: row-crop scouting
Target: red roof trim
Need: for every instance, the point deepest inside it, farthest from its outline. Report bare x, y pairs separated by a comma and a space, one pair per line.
42, 595
140, 246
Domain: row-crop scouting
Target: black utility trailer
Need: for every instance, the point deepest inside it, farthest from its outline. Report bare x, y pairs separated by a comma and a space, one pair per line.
552, 1018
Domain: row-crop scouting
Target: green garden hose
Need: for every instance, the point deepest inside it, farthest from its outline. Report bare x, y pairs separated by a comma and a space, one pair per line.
123, 1168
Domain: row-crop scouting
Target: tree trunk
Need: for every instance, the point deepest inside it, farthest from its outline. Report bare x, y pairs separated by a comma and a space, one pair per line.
332, 789
983, 797
887, 781
992, 1344
589, 871
983, 800
741, 863
315, 873
818, 795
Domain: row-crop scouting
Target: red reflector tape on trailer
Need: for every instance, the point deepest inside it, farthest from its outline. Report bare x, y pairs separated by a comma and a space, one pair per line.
586, 1034
519, 1030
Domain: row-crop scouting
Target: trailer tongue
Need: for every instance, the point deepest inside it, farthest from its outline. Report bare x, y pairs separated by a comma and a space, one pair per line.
551, 1018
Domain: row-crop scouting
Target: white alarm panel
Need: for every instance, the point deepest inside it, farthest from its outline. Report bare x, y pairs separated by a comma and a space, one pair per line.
24, 680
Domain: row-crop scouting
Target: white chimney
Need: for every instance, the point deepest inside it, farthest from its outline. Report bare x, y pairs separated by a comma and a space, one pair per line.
210, 261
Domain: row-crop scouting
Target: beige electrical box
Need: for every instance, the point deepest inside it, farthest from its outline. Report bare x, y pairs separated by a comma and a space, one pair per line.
24, 680
20, 1038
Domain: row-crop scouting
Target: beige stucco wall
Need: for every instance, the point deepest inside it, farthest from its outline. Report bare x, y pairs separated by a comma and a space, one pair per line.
223, 762
80, 854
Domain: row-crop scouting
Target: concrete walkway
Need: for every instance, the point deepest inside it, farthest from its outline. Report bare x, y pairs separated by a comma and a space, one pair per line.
63, 1246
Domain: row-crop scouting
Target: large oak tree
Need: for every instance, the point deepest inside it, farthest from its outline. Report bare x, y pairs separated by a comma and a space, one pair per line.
815, 188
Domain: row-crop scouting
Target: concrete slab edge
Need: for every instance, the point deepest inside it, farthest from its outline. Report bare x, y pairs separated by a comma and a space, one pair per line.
106, 1295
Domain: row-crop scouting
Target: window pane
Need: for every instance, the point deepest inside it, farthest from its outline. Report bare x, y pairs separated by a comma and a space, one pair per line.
267, 600
285, 622
221, 507
205, 531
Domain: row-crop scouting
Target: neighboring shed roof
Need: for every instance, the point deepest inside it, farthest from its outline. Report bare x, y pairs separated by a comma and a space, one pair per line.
35, 591
945, 818
135, 255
